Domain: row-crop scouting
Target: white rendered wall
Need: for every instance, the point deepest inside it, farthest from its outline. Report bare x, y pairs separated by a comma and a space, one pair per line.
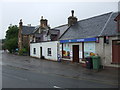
32, 46
45, 46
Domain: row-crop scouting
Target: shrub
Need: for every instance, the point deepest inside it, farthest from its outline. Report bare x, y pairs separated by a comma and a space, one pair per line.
23, 51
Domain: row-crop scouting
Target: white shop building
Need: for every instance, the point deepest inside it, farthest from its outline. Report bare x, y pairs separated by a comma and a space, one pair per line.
97, 35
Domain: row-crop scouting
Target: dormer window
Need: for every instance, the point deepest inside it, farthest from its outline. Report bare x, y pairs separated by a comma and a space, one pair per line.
53, 37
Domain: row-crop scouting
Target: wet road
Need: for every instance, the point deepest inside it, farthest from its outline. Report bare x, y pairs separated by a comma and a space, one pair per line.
19, 78
48, 74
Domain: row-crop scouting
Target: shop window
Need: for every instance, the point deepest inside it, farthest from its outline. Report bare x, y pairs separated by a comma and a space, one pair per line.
34, 51
49, 51
89, 49
66, 51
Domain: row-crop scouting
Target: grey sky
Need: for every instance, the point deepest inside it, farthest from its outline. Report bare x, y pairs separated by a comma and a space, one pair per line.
55, 12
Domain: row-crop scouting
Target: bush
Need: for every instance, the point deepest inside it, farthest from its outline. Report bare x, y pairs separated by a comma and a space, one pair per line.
23, 51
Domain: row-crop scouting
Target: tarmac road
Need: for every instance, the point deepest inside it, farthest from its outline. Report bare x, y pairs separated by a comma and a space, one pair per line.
27, 72
20, 78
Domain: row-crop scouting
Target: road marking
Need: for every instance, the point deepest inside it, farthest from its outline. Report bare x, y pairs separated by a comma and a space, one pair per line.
56, 87
60, 88
1, 63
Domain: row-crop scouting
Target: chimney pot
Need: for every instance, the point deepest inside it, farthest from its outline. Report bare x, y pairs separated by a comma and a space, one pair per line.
20, 22
41, 17
72, 13
43, 22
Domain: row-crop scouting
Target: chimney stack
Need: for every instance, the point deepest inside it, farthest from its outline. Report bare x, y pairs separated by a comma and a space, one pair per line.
43, 22
72, 20
20, 35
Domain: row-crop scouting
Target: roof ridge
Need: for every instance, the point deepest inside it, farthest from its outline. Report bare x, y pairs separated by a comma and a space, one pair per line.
29, 26
96, 16
105, 24
60, 26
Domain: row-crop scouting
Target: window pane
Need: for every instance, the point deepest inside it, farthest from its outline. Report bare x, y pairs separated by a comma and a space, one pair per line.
49, 51
34, 50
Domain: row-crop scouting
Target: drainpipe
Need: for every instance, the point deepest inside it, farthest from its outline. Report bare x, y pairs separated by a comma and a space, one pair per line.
82, 50
104, 61
62, 50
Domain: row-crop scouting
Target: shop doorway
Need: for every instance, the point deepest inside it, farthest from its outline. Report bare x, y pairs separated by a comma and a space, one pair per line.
76, 53
116, 51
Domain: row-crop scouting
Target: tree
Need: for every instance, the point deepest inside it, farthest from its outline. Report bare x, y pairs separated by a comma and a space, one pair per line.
2, 41
11, 40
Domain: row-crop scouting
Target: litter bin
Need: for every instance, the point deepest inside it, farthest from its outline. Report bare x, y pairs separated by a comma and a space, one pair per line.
59, 58
89, 63
96, 62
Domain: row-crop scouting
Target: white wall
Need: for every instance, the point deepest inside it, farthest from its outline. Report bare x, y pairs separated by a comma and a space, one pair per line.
45, 46
37, 46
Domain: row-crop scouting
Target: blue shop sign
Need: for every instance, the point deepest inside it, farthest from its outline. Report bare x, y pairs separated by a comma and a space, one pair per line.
78, 40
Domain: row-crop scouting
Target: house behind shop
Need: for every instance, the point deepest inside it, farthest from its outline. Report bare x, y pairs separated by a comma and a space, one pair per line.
24, 35
28, 34
49, 47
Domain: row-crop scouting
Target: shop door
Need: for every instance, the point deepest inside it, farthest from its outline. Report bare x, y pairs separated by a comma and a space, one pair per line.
116, 51
75, 53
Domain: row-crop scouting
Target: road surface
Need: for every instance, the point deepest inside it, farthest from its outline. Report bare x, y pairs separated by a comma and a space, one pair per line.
17, 77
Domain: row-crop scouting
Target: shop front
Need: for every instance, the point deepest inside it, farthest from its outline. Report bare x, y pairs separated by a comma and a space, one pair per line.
77, 49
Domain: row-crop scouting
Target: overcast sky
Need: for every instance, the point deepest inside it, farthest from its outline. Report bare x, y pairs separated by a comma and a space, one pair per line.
55, 12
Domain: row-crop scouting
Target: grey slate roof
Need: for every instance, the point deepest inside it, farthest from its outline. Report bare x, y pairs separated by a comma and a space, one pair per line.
54, 31
27, 30
92, 27
38, 35
62, 29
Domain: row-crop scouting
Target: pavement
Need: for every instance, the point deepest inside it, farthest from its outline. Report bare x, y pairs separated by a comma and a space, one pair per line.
64, 68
